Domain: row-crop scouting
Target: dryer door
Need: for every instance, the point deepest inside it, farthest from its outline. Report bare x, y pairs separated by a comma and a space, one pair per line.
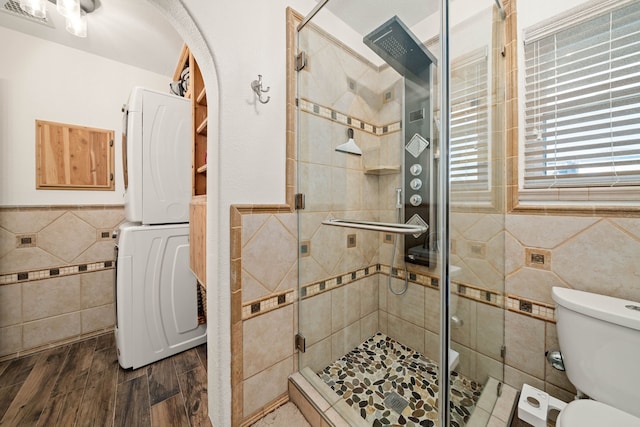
166, 159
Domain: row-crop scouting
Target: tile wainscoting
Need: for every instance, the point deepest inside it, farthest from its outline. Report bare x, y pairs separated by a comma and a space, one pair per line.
56, 275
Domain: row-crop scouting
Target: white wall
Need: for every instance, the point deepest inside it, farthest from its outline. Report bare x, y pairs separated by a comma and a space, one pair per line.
40, 80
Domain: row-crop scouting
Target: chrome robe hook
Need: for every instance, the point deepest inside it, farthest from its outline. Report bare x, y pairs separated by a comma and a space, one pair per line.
256, 85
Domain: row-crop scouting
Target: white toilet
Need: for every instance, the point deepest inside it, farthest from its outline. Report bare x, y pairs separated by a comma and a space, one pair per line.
600, 344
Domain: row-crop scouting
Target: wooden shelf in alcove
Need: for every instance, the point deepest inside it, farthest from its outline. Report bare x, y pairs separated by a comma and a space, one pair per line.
202, 97
202, 169
202, 128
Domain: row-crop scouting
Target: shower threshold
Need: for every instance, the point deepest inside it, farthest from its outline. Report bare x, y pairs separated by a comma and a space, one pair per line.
387, 383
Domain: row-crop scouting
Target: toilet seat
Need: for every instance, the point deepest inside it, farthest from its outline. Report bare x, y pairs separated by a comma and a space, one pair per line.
589, 413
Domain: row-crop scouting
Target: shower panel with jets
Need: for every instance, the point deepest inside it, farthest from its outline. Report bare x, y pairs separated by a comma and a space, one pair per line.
394, 42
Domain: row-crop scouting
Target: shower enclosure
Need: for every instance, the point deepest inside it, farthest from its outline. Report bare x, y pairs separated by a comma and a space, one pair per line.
378, 222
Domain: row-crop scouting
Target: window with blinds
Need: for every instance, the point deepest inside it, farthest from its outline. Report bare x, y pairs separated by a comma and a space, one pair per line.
582, 100
469, 149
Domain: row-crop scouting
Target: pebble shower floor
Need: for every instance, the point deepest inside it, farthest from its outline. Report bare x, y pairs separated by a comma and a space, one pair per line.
390, 384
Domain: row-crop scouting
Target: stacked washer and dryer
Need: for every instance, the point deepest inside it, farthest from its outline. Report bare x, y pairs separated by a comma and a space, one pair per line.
156, 292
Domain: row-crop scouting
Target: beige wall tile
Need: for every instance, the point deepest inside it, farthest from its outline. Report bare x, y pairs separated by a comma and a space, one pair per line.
485, 274
28, 221
345, 340
490, 330
524, 339
465, 334
266, 386
486, 228
25, 259
383, 322
603, 260
66, 237
487, 367
97, 288
98, 318
432, 310
466, 360
50, 297
345, 305
98, 251
10, 305
431, 345
315, 317
109, 217
408, 306
369, 326
270, 254
267, 340
7, 243
516, 378
514, 254
527, 228
317, 356
51, 329
369, 294
533, 284
252, 289
630, 225
407, 333
10, 340
251, 224
310, 270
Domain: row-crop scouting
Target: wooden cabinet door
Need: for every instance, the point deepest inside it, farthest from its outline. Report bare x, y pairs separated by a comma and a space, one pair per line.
73, 157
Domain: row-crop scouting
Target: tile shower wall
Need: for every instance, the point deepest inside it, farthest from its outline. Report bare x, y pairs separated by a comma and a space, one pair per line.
56, 275
269, 281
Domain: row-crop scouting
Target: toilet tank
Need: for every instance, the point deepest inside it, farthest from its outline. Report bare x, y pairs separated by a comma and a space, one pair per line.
600, 344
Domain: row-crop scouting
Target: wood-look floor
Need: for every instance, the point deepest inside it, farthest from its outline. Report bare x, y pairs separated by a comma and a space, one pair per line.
81, 384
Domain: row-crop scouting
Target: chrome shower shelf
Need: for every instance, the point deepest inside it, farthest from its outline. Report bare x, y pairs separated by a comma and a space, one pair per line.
377, 226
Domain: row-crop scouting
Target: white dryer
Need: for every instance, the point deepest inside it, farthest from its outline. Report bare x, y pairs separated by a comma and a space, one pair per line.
156, 294
156, 150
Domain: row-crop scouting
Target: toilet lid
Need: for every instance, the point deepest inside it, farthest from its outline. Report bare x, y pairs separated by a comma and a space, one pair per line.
587, 413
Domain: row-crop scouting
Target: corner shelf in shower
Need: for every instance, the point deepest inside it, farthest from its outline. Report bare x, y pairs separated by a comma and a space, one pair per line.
382, 170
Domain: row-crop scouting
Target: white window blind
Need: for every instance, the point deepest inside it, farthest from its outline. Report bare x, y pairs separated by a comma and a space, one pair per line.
582, 103
469, 148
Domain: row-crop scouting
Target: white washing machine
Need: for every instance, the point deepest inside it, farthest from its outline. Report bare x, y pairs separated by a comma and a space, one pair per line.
156, 294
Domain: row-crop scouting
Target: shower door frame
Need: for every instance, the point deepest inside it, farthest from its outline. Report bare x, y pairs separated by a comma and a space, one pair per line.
443, 205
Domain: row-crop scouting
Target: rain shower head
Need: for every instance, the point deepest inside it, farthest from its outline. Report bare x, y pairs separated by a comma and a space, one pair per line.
350, 146
401, 49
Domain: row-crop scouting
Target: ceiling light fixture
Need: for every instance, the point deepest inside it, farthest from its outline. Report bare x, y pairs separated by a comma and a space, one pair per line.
74, 11
37, 8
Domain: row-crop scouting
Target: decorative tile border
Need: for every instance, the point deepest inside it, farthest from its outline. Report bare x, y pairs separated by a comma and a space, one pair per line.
313, 289
67, 270
530, 308
338, 117
271, 302
464, 290
514, 303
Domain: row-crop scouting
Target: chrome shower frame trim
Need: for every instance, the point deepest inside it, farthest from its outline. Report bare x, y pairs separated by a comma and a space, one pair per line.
443, 227
311, 14
501, 9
